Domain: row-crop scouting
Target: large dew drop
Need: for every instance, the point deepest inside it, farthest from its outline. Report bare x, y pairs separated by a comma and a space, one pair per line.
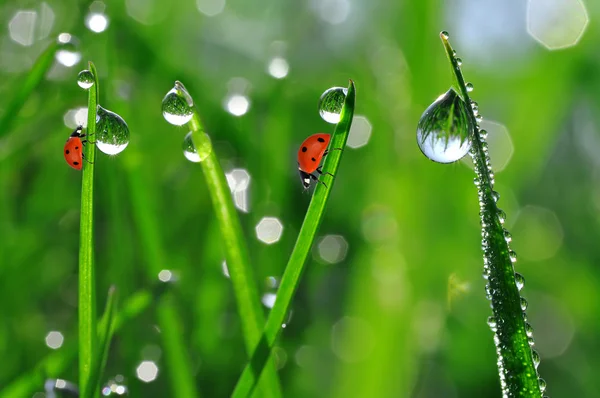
178, 105
331, 104
85, 79
191, 153
444, 131
112, 133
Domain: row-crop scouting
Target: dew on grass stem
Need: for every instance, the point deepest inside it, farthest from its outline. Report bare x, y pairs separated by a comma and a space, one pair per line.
444, 131
178, 105
85, 79
190, 151
331, 104
112, 133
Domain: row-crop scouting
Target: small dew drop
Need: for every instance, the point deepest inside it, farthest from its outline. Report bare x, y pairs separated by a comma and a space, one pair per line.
177, 105
112, 133
190, 152
536, 358
530, 341
491, 321
85, 79
501, 216
483, 134
331, 104
542, 384
495, 196
511, 253
469, 87
444, 131
528, 330
444, 35
524, 304
479, 118
459, 61
519, 280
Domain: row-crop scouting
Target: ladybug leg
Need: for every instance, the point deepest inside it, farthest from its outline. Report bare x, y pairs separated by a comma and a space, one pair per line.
334, 149
320, 171
84, 158
315, 178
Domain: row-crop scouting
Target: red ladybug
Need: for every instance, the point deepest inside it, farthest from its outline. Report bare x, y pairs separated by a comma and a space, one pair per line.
74, 149
310, 154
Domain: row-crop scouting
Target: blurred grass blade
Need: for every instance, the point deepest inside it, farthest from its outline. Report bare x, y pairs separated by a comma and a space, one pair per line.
516, 364
105, 332
29, 83
295, 266
236, 252
88, 331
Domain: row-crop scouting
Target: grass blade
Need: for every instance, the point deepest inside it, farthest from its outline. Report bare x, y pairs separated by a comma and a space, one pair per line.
87, 282
236, 252
295, 266
516, 363
29, 83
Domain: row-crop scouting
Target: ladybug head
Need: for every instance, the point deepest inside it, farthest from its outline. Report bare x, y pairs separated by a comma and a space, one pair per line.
77, 132
305, 179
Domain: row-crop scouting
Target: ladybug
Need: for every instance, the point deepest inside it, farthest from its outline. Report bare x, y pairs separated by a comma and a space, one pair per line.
310, 154
74, 149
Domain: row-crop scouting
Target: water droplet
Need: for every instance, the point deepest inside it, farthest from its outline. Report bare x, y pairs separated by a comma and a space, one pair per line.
469, 87
479, 118
524, 304
511, 253
459, 61
177, 105
331, 104
501, 216
528, 330
530, 341
491, 321
190, 152
519, 280
112, 133
542, 384
444, 130
444, 35
495, 196
85, 79
536, 358
483, 134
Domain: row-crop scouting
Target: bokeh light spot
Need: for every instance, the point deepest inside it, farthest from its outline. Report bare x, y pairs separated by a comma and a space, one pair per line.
333, 248
269, 230
278, 67
210, 8
237, 104
147, 371
352, 339
96, 22
54, 340
500, 145
22, 26
360, 132
239, 182
556, 24
537, 233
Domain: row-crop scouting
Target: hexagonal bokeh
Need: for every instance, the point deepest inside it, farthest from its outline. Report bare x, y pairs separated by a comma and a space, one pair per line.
537, 233
332, 248
269, 230
360, 132
147, 371
54, 339
556, 24
500, 145
22, 26
352, 339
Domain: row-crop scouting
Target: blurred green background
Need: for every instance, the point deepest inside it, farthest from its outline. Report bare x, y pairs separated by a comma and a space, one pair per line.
392, 303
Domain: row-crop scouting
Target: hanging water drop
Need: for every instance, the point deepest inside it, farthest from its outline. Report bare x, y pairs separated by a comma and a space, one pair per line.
444, 35
112, 133
536, 358
444, 131
459, 61
469, 87
530, 341
524, 304
519, 280
542, 384
491, 321
511, 253
501, 216
178, 105
528, 330
190, 151
85, 79
495, 195
483, 134
331, 104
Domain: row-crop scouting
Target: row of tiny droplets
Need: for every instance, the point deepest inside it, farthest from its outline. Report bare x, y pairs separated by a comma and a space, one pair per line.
484, 172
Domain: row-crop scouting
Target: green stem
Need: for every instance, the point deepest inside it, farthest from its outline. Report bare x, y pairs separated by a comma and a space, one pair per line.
295, 266
517, 370
236, 252
87, 289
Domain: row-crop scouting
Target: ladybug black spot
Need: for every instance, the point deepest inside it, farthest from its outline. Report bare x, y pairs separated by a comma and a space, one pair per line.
314, 160
304, 149
75, 163
76, 148
67, 151
320, 139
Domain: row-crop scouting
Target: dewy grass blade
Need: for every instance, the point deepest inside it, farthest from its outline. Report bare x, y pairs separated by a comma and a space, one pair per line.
517, 362
178, 108
295, 267
87, 288
105, 332
29, 83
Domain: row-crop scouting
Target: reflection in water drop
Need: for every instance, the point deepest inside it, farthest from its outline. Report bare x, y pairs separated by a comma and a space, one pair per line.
191, 153
85, 79
445, 129
112, 133
178, 105
331, 104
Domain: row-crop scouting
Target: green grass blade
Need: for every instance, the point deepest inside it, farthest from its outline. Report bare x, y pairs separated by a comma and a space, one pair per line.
295, 267
236, 251
29, 83
517, 370
105, 333
87, 288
